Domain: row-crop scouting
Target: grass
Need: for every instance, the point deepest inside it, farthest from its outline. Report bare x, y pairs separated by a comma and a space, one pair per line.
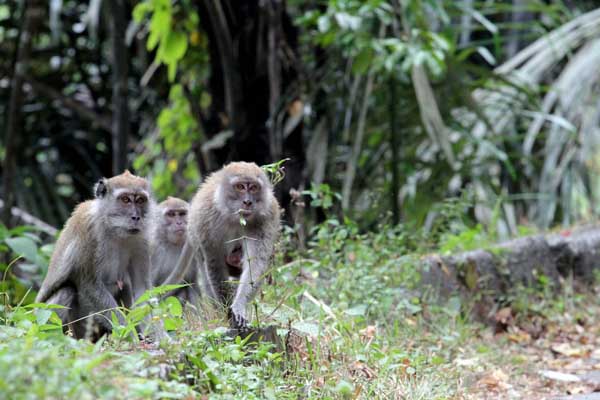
349, 309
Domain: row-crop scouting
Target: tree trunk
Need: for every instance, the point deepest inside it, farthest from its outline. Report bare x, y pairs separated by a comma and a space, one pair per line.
120, 56
395, 148
33, 12
254, 85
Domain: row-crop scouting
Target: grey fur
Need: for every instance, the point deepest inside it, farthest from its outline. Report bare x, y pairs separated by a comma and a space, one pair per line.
98, 263
213, 228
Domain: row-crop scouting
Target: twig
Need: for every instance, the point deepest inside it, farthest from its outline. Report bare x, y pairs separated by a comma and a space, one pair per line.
352, 163
31, 220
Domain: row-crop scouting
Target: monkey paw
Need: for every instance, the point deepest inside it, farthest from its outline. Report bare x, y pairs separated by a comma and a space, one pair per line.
237, 320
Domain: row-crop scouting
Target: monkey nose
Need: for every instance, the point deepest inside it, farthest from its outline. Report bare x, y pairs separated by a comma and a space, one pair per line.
135, 218
247, 203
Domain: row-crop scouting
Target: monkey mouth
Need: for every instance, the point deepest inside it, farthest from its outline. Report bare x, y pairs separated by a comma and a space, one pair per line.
244, 212
133, 231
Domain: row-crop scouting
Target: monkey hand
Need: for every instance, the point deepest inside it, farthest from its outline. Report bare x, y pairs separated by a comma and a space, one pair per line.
237, 319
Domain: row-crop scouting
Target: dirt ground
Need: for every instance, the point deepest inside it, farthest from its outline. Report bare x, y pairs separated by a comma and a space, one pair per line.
537, 357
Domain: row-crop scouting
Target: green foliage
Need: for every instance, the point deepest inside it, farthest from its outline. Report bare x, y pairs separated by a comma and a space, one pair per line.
322, 196
169, 26
353, 300
50, 365
359, 280
171, 156
28, 255
275, 171
351, 27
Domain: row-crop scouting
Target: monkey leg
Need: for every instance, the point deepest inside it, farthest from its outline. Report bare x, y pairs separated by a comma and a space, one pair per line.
215, 280
67, 298
73, 317
95, 306
190, 295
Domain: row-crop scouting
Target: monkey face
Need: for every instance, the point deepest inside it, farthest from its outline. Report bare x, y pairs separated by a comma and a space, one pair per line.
176, 223
127, 211
246, 196
123, 203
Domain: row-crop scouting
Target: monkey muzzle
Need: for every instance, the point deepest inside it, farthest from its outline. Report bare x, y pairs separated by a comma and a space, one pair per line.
244, 212
133, 231
179, 231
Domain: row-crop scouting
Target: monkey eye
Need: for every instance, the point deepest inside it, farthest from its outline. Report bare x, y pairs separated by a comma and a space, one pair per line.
253, 188
125, 199
140, 200
239, 187
171, 214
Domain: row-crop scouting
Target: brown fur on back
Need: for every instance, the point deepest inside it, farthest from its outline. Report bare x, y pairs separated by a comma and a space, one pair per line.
78, 226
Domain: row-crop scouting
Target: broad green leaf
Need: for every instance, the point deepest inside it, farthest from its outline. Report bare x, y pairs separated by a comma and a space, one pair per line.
360, 309
344, 388
323, 23
174, 306
347, 21
174, 47
140, 11
42, 316
362, 61
172, 70
23, 246
171, 324
307, 327
157, 291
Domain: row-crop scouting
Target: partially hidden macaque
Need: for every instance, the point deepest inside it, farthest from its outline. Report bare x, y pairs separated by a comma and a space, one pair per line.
233, 224
101, 260
168, 238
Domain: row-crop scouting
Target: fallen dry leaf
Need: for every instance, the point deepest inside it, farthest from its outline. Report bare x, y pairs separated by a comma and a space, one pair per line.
495, 380
567, 350
369, 332
360, 368
579, 389
504, 315
518, 335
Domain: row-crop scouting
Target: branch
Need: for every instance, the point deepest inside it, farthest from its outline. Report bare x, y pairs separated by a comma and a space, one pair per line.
33, 12
274, 72
84, 112
120, 70
31, 220
225, 48
352, 163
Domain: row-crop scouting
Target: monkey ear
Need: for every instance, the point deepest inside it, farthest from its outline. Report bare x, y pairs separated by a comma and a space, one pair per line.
100, 189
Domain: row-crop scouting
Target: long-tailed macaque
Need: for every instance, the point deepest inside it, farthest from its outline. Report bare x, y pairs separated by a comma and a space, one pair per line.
168, 238
101, 260
233, 225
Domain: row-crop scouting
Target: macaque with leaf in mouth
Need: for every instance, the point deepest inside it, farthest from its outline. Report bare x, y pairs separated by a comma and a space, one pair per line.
233, 224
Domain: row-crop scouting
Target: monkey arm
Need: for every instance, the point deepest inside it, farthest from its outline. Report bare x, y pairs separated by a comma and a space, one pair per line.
256, 261
62, 266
